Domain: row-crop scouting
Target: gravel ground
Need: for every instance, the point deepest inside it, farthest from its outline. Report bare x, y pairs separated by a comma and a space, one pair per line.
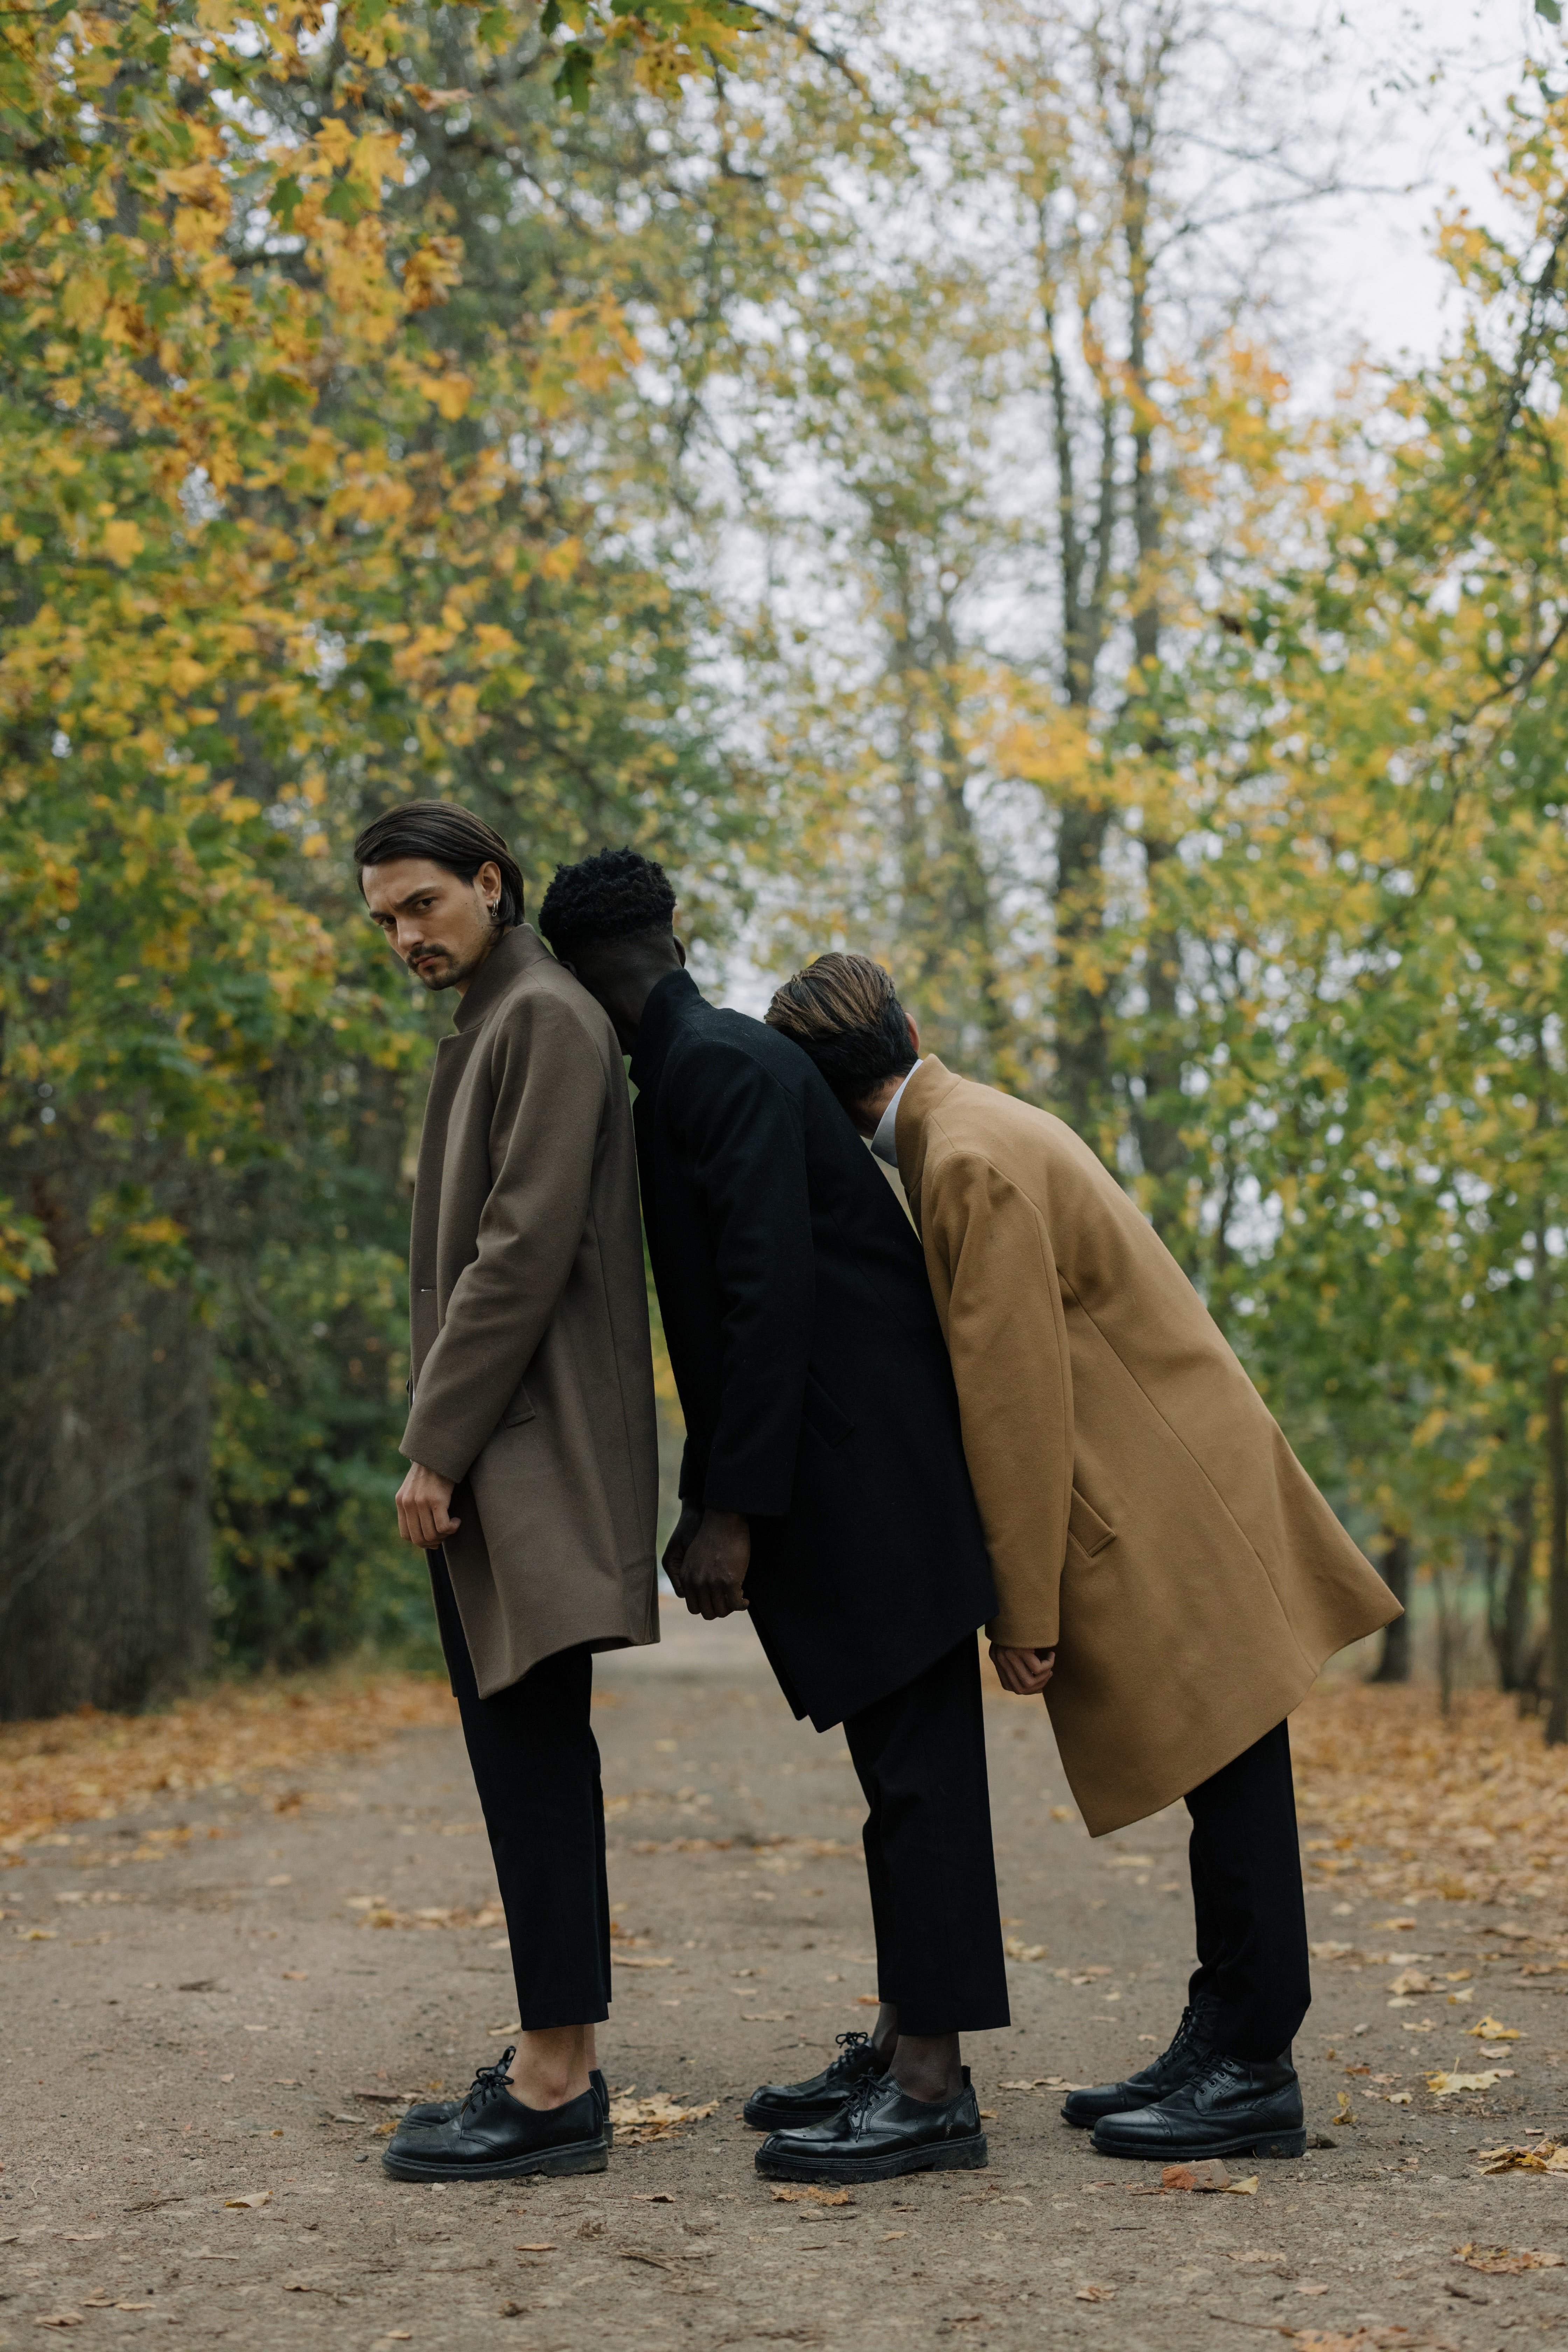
192, 2011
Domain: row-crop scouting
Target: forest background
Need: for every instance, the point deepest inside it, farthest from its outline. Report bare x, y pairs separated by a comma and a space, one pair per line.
852, 456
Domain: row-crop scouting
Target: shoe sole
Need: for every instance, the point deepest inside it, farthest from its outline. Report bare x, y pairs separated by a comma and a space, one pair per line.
586, 2156
949, 2156
1276, 2144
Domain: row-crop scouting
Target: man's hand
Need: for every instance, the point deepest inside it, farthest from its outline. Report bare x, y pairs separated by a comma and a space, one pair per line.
423, 1508
679, 1543
1025, 1673
713, 1562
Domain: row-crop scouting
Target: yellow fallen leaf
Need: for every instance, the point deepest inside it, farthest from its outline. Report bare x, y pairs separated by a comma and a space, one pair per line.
1505, 2261
1443, 2086
1246, 2187
813, 2197
256, 2196
1492, 2028
1095, 2294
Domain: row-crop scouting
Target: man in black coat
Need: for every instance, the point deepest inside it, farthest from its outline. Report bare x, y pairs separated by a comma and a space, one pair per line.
823, 1488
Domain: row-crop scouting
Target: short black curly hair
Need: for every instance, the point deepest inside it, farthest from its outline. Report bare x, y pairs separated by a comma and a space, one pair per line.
617, 894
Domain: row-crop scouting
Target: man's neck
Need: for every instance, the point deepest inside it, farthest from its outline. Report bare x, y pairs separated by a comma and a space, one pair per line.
868, 1112
492, 941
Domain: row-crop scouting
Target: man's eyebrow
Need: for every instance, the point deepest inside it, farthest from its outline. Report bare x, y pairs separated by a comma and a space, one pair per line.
420, 890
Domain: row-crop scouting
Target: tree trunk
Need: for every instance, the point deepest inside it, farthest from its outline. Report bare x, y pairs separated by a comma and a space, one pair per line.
1507, 1609
1557, 1573
104, 1531
1394, 1665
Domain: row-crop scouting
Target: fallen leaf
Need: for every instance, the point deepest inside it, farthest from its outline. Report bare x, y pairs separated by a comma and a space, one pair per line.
542, 2246
1305, 2287
57, 2319
1094, 2293
1206, 2176
1492, 2028
257, 2196
889, 2235
813, 2197
133, 2306
1016, 1950
1499, 2260
1443, 2086
302, 1976
637, 1961
1247, 2188
652, 2196
645, 2254
1398, 2098
1412, 1980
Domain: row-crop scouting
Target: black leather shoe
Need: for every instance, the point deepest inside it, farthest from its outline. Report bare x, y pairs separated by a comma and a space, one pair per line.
1188, 2054
493, 2136
441, 2111
1231, 2108
786, 2106
879, 2134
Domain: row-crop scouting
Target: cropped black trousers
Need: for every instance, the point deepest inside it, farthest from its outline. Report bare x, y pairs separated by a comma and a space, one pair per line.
921, 1756
536, 1767
1248, 1904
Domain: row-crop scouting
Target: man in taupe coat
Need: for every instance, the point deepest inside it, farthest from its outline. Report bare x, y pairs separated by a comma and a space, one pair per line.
533, 1481
1163, 1561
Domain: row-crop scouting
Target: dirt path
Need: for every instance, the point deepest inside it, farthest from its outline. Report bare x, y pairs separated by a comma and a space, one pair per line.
199, 2014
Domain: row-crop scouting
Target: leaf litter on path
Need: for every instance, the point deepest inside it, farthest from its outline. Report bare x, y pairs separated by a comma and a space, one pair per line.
1507, 2261
1538, 2156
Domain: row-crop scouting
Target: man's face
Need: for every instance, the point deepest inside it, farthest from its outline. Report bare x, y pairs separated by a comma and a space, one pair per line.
438, 925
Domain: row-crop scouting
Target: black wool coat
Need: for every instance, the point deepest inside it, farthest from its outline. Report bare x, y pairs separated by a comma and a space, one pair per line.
817, 1388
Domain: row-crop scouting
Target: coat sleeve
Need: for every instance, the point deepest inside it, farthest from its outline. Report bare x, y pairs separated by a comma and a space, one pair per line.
747, 1155
993, 1275
548, 1092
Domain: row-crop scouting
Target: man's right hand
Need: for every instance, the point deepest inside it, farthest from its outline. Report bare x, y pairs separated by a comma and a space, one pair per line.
424, 1508
679, 1543
706, 1560
1025, 1673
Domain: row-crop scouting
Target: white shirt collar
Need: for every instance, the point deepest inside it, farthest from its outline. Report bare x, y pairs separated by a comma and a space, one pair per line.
882, 1142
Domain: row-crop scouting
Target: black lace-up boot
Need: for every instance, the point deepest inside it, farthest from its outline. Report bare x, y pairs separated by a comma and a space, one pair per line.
1189, 2053
784, 2106
441, 2111
493, 2136
1234, 2106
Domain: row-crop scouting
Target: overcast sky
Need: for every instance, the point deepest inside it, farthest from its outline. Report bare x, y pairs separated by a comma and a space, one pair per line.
1416, 79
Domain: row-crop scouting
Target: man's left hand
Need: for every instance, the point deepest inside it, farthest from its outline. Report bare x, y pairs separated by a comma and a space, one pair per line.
1025, 1673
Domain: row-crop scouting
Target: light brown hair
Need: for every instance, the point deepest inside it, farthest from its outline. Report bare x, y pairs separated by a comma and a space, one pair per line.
844, 1011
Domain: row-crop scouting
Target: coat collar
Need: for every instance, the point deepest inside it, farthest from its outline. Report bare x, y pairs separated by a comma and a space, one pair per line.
500, 971
928, 1085
670, 1002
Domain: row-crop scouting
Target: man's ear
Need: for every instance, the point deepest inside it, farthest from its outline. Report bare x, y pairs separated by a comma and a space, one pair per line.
680, 952
914, 1034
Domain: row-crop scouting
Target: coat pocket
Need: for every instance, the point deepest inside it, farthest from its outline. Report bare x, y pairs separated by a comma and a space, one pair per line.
831, 1425
521, 1409
1086, 1527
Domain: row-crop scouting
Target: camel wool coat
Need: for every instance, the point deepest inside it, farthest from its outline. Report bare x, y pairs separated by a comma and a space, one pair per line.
532, 1379
1144, 1512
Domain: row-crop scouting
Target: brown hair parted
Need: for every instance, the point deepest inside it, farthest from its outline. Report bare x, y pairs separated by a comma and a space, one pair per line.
844, 1011
449, 836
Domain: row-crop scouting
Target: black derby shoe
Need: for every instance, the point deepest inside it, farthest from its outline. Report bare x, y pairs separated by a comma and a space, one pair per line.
1188, 2054
1232, 2108
441, 2111
878, 2135
493, 2136
786, 2106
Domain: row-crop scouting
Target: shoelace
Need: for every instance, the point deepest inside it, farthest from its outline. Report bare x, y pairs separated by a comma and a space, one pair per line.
490, 2080
849, 2047
862, 2097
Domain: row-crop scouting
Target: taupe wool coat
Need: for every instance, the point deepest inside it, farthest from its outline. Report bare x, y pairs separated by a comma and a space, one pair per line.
532, 1373
1144, 1512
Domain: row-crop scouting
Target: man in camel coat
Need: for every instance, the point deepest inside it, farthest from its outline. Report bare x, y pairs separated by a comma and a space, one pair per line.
1163, 1563
532, 1484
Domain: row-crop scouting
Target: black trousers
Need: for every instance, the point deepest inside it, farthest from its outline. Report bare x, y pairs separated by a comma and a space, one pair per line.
920, 1755
536, 1767
1248, 1907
